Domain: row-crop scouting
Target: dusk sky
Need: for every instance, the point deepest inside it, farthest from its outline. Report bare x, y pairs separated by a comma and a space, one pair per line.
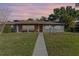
21, 11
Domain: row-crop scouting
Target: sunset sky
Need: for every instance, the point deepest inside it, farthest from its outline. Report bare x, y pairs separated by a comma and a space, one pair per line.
23, 11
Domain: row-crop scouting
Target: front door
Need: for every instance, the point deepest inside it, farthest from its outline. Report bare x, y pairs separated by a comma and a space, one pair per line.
40, 28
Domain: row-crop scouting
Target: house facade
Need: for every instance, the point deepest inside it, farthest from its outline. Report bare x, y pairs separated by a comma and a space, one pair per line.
36, 26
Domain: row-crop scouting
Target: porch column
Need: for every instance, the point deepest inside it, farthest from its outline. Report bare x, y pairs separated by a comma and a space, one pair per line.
53, 28
38, 28
17, 28
50, 28
20, 28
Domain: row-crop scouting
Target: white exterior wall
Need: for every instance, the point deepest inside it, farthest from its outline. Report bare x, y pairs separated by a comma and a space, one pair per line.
49, 28
59, 28
46, 28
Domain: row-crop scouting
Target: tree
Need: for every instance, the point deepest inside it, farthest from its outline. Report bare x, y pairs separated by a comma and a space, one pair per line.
57, 11
69, 22
30, 19
77, 14
62, 10
52, 17
37, 19
66, 15
4, 14
43, 18
71, 11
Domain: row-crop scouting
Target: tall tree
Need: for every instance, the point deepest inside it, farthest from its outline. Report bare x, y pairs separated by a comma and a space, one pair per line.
66, 15
52, 17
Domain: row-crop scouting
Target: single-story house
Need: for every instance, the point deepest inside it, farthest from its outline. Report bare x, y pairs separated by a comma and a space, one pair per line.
36, 26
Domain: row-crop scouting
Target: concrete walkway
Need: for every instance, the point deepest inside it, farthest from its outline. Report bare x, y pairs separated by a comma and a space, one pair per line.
40, 47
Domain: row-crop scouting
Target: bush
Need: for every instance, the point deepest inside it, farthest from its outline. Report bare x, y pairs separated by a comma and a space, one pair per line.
66, 30
7, 29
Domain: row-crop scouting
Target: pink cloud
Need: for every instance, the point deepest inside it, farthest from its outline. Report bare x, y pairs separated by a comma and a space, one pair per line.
24, 11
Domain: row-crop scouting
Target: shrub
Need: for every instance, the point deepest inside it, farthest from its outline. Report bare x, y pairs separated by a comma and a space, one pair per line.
7, 29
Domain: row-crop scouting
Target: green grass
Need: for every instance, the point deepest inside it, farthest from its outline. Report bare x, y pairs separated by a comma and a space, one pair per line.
17, 44
62, 44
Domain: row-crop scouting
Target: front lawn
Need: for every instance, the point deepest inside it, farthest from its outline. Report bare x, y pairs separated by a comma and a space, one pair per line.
17, 44
62, 44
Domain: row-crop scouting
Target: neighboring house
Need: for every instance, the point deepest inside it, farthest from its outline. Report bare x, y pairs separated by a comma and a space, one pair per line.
77, 6
36, 26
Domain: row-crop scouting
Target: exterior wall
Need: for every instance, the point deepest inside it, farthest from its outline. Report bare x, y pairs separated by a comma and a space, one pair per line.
28, 28
38, 28
56, 28
59, 28
46, 28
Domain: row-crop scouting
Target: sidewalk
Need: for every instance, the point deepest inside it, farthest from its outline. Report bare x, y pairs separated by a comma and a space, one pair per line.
40, 47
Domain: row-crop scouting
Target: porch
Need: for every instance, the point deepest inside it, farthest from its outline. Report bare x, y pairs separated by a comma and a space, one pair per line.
35, 26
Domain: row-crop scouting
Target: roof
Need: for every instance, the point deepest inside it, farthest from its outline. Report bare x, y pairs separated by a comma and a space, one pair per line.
35, 22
